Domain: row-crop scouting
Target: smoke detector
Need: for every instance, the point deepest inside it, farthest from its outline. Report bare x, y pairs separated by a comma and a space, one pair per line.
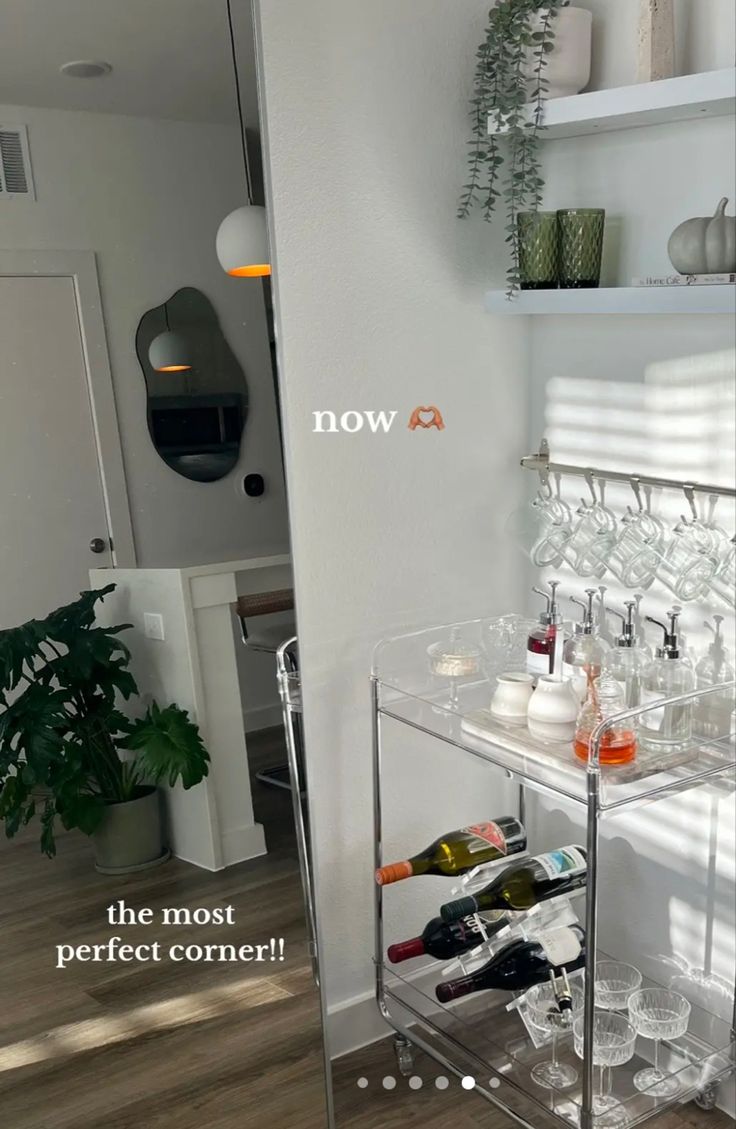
86, 68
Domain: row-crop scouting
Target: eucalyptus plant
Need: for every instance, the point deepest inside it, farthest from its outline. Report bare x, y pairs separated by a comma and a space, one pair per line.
66, 749
510, 89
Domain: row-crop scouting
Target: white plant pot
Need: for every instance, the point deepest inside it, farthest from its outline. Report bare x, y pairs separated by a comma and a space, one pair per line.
568, 64
510, 701
553, 709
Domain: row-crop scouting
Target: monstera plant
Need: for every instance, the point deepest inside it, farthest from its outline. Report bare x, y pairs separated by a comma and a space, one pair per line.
69, 753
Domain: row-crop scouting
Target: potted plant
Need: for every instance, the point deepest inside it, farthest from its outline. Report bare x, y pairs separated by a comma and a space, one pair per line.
532, 49
68, 752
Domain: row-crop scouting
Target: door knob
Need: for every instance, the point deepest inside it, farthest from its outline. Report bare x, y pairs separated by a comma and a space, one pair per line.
97, 545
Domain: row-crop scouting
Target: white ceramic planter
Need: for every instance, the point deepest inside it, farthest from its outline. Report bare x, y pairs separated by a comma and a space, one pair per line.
510, 701
568, 64
553, 709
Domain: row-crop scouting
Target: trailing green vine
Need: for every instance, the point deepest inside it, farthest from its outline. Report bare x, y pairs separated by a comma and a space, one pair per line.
510, 88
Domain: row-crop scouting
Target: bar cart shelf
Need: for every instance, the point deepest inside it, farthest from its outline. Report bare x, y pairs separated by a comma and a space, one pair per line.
477, 1037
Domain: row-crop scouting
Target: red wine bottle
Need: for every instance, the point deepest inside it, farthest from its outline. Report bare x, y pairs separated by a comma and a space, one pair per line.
460, 851
522, 964
443, 941
524, 884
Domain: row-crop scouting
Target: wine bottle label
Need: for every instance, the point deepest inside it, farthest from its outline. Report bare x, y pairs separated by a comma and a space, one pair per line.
537, 664
484, 834
566, 862
560, 946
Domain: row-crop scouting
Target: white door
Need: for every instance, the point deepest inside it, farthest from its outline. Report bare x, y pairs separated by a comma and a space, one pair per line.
52, 506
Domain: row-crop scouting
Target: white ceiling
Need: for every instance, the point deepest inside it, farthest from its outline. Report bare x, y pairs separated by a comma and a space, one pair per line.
171, 58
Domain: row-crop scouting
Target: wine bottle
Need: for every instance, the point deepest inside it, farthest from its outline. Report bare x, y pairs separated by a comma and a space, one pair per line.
524, 884
522, 964
460, 851
443, 941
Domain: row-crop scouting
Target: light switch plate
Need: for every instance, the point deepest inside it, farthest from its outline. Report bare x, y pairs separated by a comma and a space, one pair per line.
153, 626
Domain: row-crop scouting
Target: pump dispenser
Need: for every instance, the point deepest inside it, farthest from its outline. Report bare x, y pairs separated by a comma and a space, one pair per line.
584, 652
544, 645
712, 713
627, 661
669, 728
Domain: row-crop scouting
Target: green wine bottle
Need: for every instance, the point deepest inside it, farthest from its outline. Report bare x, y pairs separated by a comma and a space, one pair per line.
460, 851
525, 883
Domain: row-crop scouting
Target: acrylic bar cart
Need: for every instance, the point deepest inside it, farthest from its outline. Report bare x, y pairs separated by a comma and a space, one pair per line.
479, 1037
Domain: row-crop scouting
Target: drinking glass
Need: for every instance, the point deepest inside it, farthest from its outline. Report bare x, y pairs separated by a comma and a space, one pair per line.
613, 1045
454, 660
591, 540
615, 983
723, 584
635, 554
690, 561
542, 529
581, 247
544, 1015
539, 244
658, 1014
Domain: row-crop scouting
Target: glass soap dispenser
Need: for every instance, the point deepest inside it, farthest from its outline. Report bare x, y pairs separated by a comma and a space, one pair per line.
585, 651
669, 728
712, 714
544, 645
629, 658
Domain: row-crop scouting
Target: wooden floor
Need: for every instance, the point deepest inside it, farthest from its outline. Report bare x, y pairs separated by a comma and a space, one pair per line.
189, 1046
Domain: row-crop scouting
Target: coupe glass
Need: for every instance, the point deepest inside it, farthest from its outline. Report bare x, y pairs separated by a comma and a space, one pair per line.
613, 1045
658, 1014
615, 984
544, 1015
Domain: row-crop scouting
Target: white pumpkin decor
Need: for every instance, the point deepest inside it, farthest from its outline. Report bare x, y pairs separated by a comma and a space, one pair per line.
705, 245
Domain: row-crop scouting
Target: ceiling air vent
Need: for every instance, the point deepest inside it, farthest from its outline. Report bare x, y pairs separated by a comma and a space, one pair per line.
15, 163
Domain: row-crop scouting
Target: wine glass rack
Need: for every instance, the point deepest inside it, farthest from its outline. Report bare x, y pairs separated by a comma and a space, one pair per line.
478, 1037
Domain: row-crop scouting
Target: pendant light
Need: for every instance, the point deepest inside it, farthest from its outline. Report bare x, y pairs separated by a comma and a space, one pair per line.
168, 351
242, 238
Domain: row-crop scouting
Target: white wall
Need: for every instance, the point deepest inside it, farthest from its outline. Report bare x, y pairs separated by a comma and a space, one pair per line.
147, 196
380, 299
380, 293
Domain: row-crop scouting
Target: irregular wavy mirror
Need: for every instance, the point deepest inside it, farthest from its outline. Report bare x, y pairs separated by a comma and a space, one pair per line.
197, 391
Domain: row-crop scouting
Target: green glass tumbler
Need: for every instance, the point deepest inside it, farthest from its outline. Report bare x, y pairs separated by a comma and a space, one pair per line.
538, 250
581, 247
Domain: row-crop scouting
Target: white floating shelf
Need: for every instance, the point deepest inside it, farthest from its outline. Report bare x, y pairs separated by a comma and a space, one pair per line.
617, 300
710, 94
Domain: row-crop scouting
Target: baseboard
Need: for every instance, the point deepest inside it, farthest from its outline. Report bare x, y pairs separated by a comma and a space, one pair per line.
262, 717
355, 1023
242, 843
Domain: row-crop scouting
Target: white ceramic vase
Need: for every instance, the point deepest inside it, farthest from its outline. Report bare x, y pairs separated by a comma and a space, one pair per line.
569, 62
510, 701
553, 709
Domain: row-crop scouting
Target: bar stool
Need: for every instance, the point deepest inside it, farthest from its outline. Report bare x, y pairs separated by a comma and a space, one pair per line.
267, 640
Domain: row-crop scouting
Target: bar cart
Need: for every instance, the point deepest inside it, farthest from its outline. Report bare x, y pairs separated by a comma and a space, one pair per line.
483, 1042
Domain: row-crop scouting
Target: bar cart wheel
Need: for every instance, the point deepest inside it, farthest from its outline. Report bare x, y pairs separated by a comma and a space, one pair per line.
404, 1056
706, 1099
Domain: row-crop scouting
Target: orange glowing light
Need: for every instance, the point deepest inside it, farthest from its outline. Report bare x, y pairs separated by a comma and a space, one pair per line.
174, 368
257, 270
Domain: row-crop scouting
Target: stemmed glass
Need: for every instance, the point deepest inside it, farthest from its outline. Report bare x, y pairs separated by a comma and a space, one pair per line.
615, 983
613, 1045
658, 1014
544, 1015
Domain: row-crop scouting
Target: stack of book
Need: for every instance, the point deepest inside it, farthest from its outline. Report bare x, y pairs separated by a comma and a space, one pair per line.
686, 280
